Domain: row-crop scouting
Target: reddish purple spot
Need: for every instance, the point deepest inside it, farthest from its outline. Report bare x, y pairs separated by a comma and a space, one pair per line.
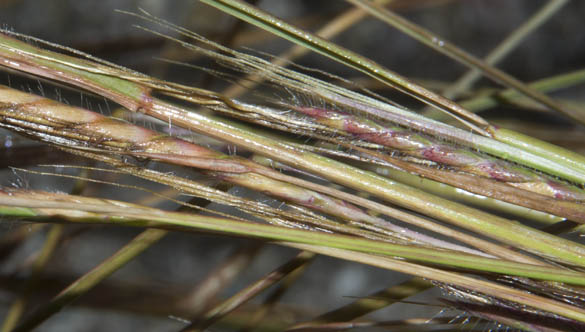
446, 155
358, 128
564, 193
502, 173
435, 154
145, 102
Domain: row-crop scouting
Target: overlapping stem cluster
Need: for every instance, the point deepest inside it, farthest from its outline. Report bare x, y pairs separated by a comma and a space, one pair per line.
426, 156
414, 136
97, 137
429, 149
133, 90
527, 151
72, 127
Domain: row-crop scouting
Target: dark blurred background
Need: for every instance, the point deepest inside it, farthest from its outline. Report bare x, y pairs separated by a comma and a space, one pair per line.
476, 25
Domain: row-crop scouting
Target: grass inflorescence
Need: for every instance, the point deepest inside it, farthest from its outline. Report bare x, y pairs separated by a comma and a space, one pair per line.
454, 201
